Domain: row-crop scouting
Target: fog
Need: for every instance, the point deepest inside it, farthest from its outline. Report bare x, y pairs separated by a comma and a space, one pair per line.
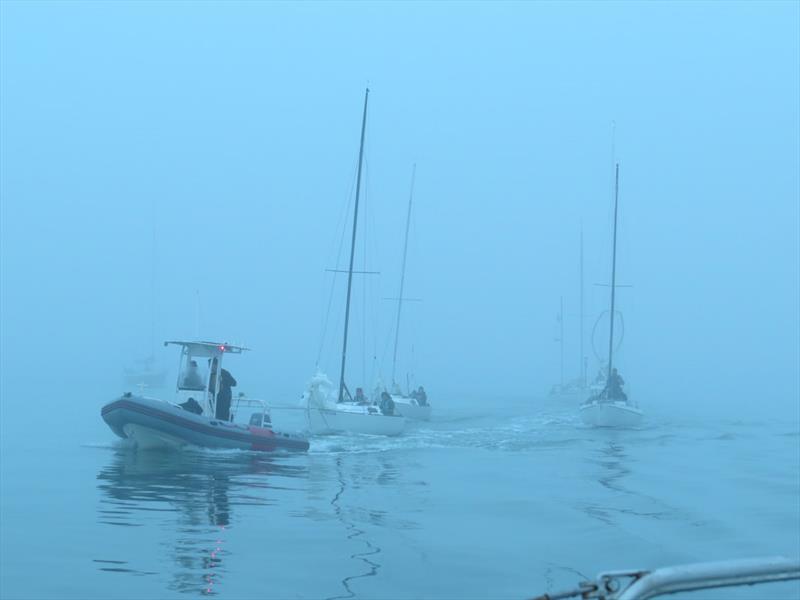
229, 135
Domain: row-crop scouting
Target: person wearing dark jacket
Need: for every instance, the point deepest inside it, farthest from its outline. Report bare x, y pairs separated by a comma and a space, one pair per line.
387, 404
615, 383
422, 397
224, 394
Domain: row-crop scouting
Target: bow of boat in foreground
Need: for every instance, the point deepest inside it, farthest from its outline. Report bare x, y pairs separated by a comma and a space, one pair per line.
641, 584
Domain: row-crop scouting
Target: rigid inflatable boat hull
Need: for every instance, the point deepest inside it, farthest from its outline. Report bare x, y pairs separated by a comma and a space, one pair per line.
154, 423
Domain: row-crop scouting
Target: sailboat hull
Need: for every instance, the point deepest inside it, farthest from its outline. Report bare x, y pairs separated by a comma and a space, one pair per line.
410, 409
610, 414
150, 423
326, 421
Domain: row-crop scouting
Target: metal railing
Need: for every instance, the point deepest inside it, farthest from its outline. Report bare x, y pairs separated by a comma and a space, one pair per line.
644, 584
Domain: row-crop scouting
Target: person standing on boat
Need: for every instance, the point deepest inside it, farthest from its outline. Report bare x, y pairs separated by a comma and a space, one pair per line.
614, 386
224, 394
422, 397
387, 404
360, 398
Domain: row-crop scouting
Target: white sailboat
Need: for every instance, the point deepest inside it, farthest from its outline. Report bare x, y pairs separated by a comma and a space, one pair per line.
146, 372
326, 415
566, 392
575, 391
412, 404
611, 407
328, 411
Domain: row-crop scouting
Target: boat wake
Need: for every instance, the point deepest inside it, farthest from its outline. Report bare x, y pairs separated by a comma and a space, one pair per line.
515, 434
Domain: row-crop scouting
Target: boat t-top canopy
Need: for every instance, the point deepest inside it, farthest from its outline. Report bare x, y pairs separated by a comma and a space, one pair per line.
208, 348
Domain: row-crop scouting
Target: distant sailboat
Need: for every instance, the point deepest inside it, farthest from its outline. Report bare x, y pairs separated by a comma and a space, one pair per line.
413, 404
327, 411
146, 372
575, 390
611, 407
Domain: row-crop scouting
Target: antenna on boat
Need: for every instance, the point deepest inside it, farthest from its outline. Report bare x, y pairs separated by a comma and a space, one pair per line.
561, 335
613, 143
353, 247
613, 271
153, 285
403, 274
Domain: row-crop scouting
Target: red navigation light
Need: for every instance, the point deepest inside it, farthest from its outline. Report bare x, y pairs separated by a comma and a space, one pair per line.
222, 348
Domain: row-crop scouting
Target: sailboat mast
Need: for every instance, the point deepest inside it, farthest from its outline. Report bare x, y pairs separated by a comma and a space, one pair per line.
613, 270
582, 365
153, 286
403, 274
353, 247
561, 336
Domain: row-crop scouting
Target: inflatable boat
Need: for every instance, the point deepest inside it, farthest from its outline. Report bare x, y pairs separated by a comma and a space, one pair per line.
203, 414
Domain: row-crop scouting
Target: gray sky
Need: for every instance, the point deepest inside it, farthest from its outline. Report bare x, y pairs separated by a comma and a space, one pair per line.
234, 128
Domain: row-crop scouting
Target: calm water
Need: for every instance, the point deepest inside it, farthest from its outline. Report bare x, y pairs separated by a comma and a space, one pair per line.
491, 500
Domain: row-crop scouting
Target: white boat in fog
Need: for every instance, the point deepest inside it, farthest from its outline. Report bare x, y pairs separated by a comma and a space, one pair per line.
327, 415
410, 408
599, 412
412, 404
201, 414
611, 407
146, 374
573, 392
335, 411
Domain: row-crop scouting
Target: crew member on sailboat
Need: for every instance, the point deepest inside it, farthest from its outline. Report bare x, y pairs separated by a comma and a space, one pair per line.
611, 407
614, 387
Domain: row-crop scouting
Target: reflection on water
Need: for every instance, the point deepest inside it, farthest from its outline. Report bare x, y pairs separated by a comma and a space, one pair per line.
353, 531
361, 475
192, 501
194, 489
443, 512
613, 460
615, 468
